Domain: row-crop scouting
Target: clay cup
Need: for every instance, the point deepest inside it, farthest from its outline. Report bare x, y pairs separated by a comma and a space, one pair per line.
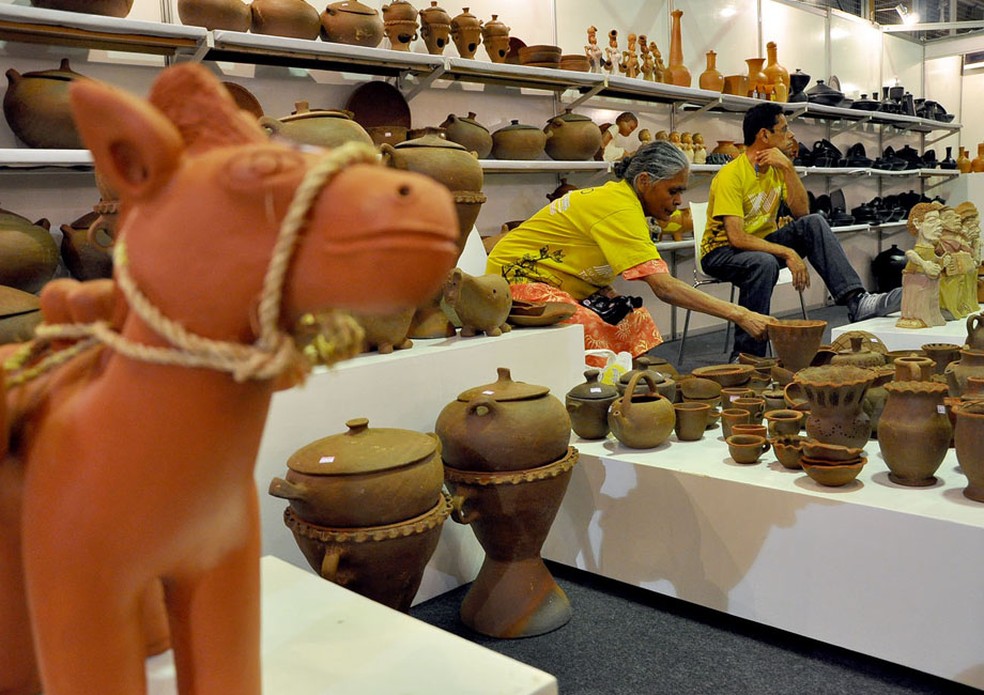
747, 448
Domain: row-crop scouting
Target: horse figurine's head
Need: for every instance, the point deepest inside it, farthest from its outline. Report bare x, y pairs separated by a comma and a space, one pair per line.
205, 194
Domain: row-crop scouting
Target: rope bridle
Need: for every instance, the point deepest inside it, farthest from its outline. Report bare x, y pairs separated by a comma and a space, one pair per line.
273, 352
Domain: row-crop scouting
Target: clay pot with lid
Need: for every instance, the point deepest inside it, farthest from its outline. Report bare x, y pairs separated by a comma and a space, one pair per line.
319, 127
435, 28
400, 24
367, 476
495, 38
28, 253
469, 133
36, 107
294, 19
232, 15
588, 403
503, 426
106, 8
572, 137
466, 32
353, 23
518, 141
858, 355
641, 421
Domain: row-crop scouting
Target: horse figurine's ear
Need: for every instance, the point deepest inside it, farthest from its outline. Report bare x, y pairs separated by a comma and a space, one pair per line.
133, 144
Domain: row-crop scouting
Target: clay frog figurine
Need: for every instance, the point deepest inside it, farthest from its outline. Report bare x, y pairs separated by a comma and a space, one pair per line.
481, 303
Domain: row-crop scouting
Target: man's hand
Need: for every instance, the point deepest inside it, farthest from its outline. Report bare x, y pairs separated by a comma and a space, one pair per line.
773, 157
801, 273
755, 324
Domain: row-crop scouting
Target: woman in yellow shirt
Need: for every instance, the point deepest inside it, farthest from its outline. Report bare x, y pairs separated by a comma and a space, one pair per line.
572, 250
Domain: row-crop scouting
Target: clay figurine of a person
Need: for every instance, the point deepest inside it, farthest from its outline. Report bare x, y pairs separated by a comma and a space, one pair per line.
647, 61
629, 65
612, 53
130, 460
659, 74
593, 50
921, 275
618, 141
970, 223
959, 267
700, 150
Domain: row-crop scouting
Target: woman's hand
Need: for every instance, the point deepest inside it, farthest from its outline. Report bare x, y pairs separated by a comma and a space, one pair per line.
755, 324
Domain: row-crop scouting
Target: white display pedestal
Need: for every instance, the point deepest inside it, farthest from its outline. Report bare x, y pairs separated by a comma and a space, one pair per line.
319, 638
407, 389
874, 567
906, 338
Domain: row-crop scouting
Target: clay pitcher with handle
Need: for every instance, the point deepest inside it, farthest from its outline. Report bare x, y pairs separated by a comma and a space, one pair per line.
975, 332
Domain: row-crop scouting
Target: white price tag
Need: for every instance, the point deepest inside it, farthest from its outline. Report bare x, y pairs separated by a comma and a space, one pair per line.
941, 409
595, 389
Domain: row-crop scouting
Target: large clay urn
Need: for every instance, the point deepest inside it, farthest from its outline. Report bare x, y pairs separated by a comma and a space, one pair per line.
914, 431
518, 141
469, 133
466, 32
319, 127
400, 24
106, 8
711, 79
232, 15
641, 420
588, 404
435, 28
36, 107
503, 426
968, 441
971, 363
495, 38
351, 22
28, 253
676, 72
572, 137
836, 394
294, 19
796, 341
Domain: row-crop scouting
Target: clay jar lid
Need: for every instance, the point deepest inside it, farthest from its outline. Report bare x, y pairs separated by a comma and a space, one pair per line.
569, 117
302, 111
431, 137
592, 389
352, 6
515, 125
505, 389
362, 450
62, 72
470, 119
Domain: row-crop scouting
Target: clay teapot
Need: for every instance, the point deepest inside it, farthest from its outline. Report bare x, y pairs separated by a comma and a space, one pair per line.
466, 32
37, 109
478, 303
641, 421
28, 253
468, 133
518, 141
495, 38
435, 28
588, 404
353, 23
319, 127
367, 476
503, 426
572, 137
291, 18
233, 15
86, 248
106, 8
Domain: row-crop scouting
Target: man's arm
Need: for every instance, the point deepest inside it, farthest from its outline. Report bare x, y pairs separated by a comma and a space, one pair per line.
796, 198
734, 228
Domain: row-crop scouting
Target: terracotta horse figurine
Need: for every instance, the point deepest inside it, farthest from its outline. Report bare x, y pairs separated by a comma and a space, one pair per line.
133, 431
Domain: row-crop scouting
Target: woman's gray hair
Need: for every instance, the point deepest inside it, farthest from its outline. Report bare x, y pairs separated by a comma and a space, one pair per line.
661, 159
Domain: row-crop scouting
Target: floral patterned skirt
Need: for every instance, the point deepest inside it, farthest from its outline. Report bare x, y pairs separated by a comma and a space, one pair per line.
635, 334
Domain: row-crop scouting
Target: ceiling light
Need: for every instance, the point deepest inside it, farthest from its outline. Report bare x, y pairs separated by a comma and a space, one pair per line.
906, 16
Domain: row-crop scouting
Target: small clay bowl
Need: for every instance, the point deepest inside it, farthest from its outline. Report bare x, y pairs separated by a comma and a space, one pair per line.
832, 475
822, 451
789, 450
726, 374
696, 388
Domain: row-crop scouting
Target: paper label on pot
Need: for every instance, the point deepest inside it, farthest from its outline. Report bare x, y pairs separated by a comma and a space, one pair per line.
326, 459
595, 389
488, 393
941, 409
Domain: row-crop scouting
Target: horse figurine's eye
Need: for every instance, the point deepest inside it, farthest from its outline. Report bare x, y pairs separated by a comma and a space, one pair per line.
253, 167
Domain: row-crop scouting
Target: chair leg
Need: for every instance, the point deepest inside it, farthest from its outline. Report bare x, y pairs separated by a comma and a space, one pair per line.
803, 306
683, 338
728, 326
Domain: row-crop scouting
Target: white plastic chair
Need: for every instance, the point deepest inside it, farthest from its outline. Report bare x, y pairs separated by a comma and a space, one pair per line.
698, 211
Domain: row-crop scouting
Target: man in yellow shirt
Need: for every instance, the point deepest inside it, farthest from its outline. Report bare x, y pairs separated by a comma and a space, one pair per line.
574, 248
743, 244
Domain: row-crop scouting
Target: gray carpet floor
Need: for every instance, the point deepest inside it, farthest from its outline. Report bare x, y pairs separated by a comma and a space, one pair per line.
623, 640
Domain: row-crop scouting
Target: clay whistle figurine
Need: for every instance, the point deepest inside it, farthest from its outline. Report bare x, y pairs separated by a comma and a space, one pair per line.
481, 303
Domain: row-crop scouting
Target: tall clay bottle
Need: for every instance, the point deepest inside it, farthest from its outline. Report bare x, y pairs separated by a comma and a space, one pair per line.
677, 73
977, 164
711, 78
774, 72
963, 161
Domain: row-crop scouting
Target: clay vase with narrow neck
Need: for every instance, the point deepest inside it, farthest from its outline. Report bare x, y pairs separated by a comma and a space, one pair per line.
774, 72
676, 72
711, 79
796, 341
757, 79
836, 395
968, 441
914, 431
977, 164
975, 332
963, 162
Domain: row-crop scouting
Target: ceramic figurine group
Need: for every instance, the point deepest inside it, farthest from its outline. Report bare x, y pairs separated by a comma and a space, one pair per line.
941, 270
640, 58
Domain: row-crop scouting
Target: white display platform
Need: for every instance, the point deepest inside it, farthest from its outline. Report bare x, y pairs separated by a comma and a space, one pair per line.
319, 638
407, 389
906, 338
874, 567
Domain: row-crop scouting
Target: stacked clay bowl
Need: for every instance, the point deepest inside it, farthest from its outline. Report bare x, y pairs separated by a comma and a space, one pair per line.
728, 375
540, 56
575, 62
831, 465
695, 389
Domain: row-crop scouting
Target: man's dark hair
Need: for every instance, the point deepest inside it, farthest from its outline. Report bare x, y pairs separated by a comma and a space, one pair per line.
760, 116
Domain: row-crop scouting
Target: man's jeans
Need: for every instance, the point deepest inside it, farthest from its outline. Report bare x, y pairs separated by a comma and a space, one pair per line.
755, 273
